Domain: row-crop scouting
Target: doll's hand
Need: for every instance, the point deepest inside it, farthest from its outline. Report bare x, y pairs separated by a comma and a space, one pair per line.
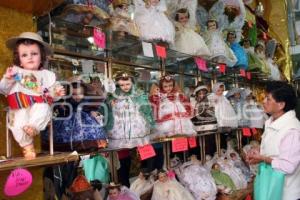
60, 91
113, 103
10, 73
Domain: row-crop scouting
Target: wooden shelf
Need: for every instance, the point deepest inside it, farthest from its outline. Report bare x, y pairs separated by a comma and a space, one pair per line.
41, 160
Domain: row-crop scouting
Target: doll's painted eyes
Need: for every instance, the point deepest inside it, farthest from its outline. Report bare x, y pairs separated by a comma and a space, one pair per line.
32, 54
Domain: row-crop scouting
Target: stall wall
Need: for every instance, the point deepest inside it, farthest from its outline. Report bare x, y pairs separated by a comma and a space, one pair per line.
12, 23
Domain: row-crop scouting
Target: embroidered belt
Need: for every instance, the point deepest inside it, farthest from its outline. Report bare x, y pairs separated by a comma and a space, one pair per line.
20, 100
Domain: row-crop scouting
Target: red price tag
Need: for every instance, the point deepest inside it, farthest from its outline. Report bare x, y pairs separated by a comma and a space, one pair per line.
248, 197
146, 151
192, 142
179, 144
99, 38
222, 68
254, 131
161, 51
201, 63
246, 132
249, 75
243, 72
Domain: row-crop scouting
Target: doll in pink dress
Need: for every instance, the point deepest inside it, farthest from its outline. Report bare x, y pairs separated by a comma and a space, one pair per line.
172, 110
29, 89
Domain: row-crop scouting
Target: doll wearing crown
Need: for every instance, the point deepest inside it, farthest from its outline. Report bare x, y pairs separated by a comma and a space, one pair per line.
152, 21
120, 20
186, 39
129, 114
220, 51
172, 110
29, 89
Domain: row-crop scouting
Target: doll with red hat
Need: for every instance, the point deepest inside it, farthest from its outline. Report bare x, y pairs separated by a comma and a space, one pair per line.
29, 89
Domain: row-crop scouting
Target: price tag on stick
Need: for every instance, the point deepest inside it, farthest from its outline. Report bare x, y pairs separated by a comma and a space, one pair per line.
99, 38
192, 142
161, 51
246, 132
179, 144
146, 151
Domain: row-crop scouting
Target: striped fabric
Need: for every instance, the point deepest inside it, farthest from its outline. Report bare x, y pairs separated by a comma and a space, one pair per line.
20, 100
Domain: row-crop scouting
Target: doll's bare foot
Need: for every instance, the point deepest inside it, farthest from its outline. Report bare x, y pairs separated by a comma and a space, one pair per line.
29, 152
30, 131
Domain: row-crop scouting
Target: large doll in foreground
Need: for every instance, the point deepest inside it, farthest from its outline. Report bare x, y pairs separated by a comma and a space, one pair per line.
29, 89
129, 115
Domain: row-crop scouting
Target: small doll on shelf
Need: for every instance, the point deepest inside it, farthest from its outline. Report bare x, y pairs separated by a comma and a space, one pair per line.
236, 96
166, 188
186, 39
121, 20
220, 51
29, 89
225, 114
172, 110
143, 185
152, 21
223, 181
118, 192
204, 113
129, 114
238, 50
78, 122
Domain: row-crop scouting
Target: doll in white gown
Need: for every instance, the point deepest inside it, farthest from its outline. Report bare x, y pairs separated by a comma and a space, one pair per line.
171, 110
143, 184
225, 114
197, 179
152, 21
221, 53
166, 189
186, 39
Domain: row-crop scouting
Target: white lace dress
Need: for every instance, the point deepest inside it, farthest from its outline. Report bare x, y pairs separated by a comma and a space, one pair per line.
189, 42
153, 22
198, 180
130, 128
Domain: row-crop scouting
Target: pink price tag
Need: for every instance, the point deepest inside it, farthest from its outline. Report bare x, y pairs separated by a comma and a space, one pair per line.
18, 181
161, 51
243, 72
99, 38
146, 151
249, 75
222, 68
246, 132
254, 131
201, 63
192, 142
179, 144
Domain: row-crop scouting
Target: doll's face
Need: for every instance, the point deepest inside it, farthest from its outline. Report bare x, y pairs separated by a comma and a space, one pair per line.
230, 38
211, 26
220, 90
216, 166
259, 49
29, 56
78, 94
183, 18
113, 193
167, 87
237, 95
246, 44
153, 2
125, 85
201, 94
162, 177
